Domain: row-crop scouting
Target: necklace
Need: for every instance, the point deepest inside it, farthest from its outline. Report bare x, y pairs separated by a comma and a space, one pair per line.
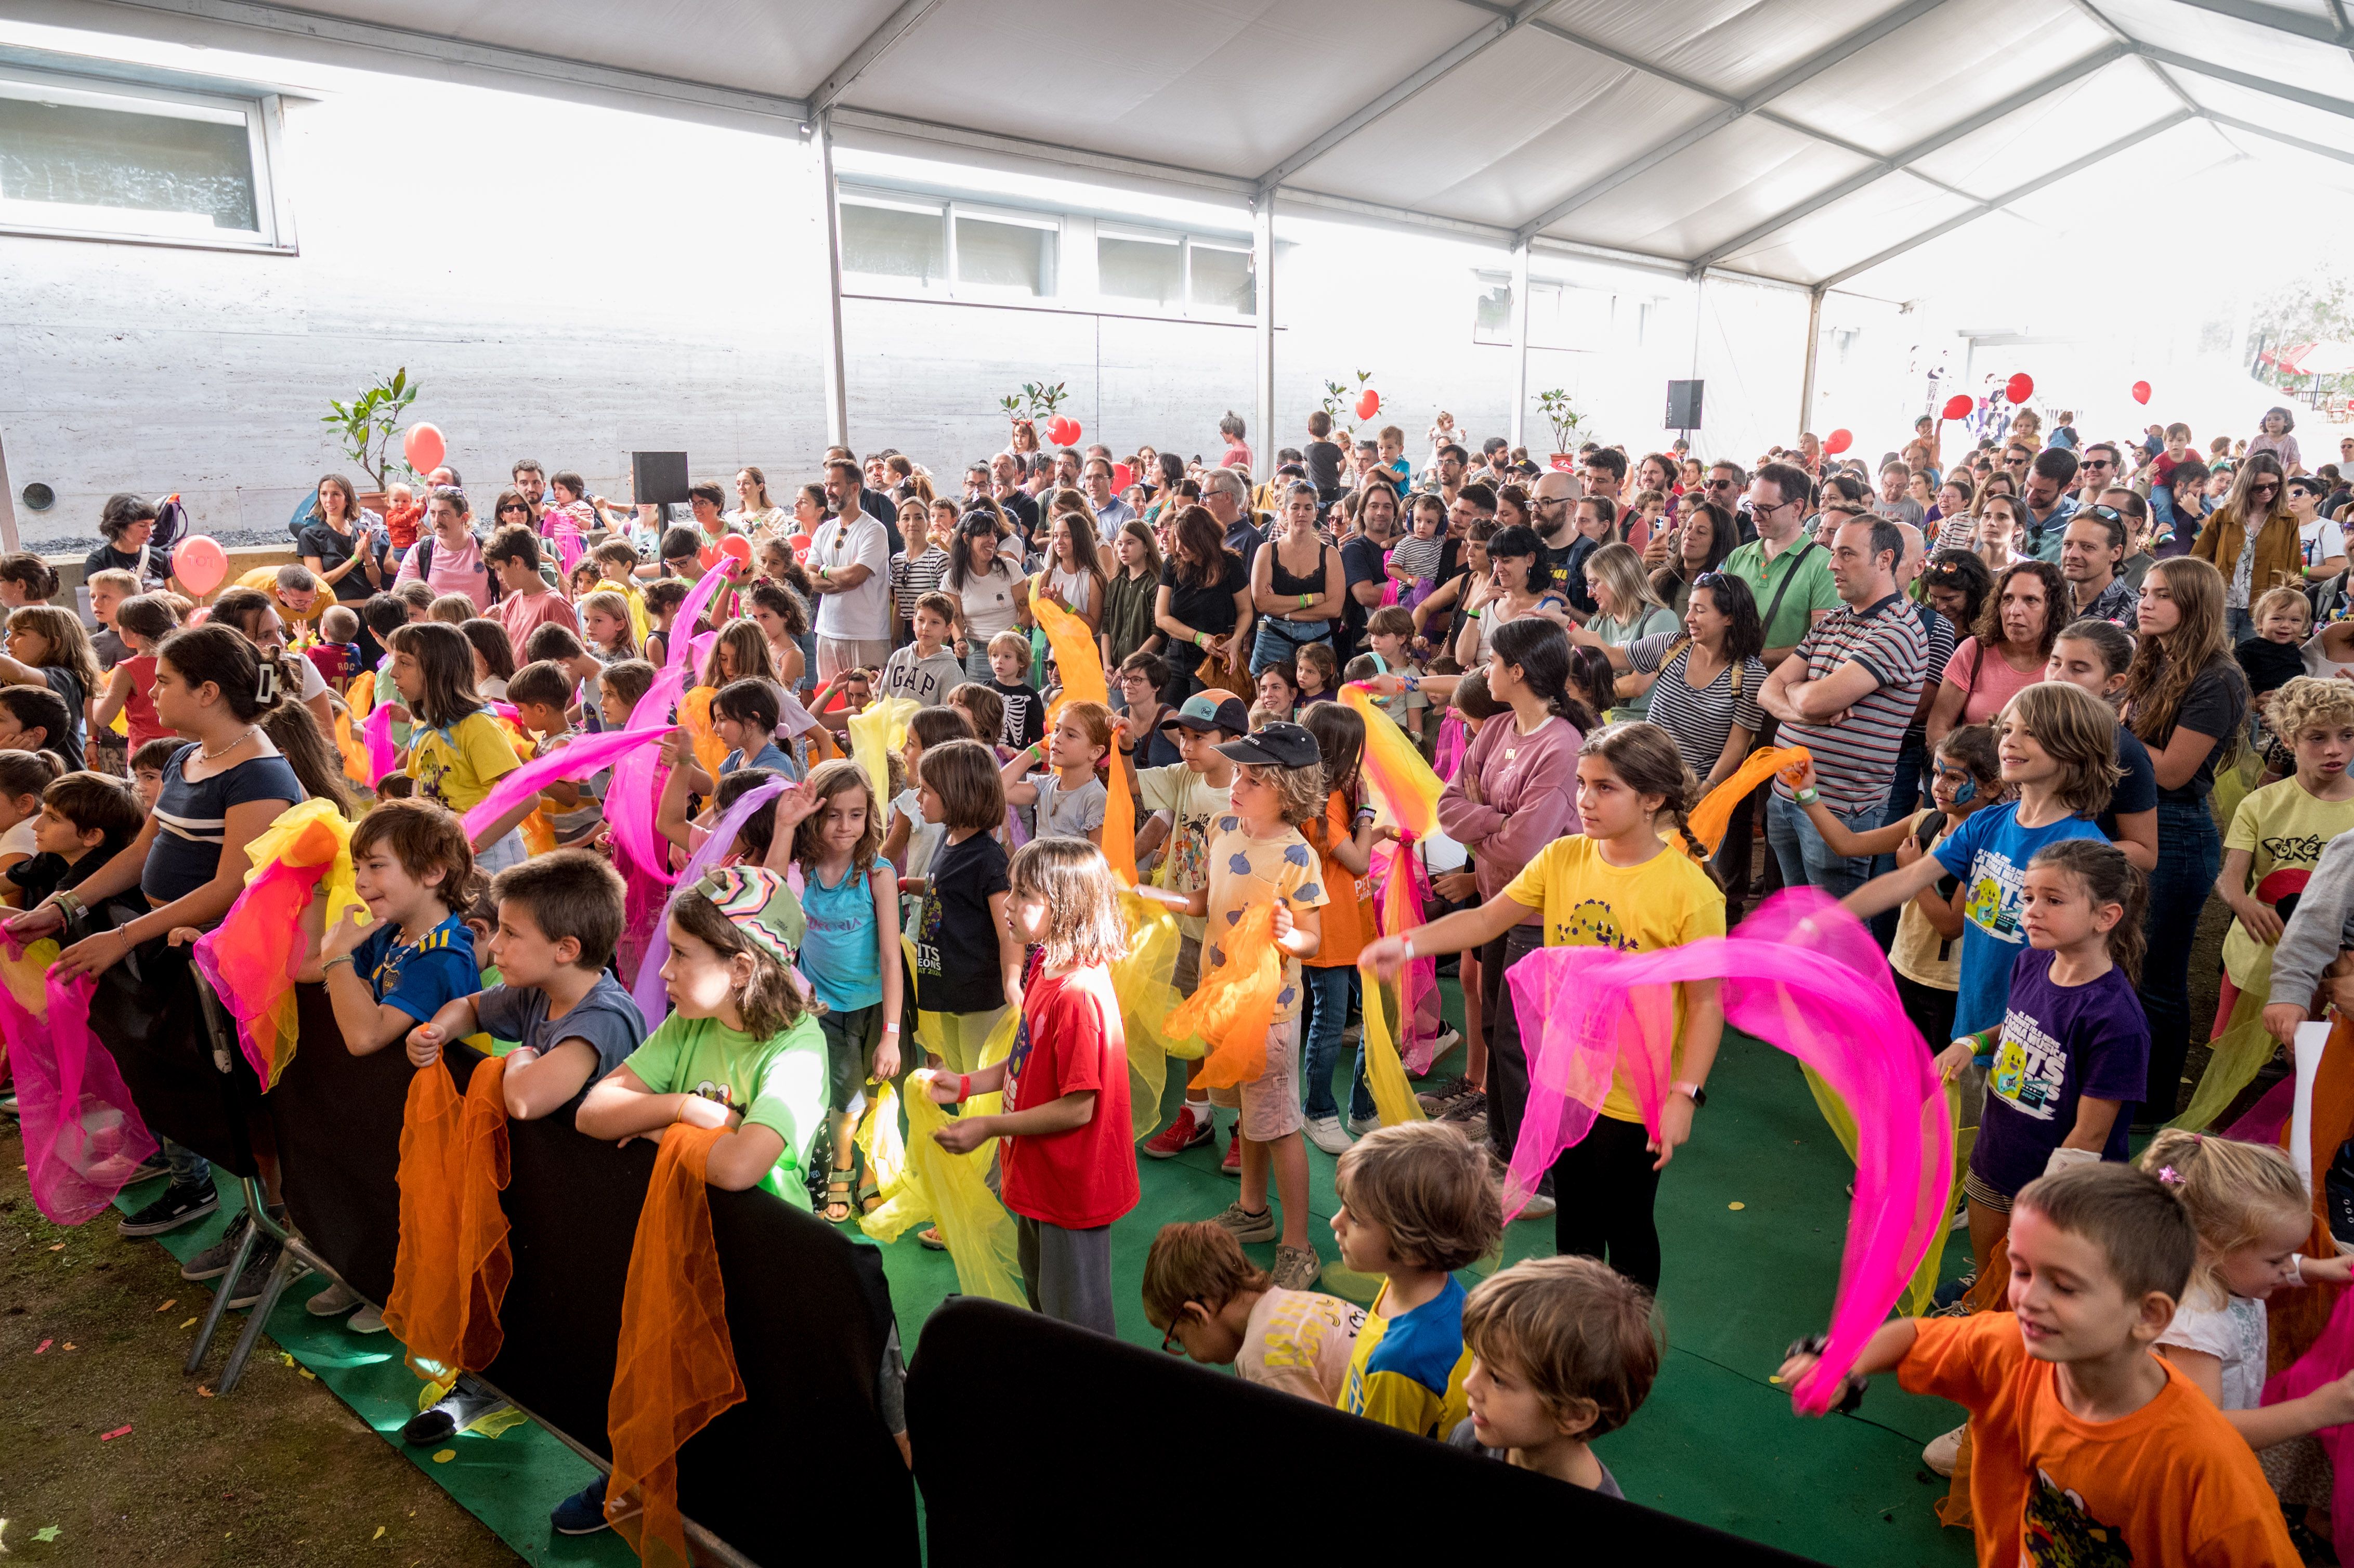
209, 755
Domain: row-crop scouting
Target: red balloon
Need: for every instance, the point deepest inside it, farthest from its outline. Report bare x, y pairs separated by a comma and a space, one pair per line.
1063, 432
799, 544
1959, 406
1369, 405
1122, 476
2141, 391
2020, 388
737, 546
424, 448
1838, 441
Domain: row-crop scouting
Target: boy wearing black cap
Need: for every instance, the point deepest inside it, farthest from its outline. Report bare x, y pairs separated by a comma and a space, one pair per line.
1187, 798
1258, 856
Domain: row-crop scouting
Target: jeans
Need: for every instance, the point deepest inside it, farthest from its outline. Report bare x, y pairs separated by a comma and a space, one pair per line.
1330, 992
1903, 799
189, 1169
2240, 624
1269, 646
2192, 855
1806, 860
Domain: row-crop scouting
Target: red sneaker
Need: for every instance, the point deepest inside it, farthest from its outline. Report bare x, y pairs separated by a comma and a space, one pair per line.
1233, 1163
1181, 1135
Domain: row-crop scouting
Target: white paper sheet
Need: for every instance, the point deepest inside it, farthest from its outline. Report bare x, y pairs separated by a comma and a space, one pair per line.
2310, 1040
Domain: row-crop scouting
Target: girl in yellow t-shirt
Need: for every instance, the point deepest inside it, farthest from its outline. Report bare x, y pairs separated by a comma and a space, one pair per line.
2278, 832
1626, 883
457, 748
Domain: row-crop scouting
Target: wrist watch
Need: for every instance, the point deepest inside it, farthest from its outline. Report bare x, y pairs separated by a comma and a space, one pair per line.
1691, 1091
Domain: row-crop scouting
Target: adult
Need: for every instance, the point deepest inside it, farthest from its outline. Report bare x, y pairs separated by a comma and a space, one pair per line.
125, 526
1728, 486
1226, 496
1203, 606
2273, 439
1005, 476
1552, 511
2045, 503
987, 588
2191, 511
1847, 693
1238, 453
1895, 502
1111, 512
850, 566
2092, 559
1449, 466
1787, 572
872, 501
2008, 648
2321, 544
1698, 544
2253, 541
449, 558
1624, 609
1957, 585
1074, 569
1127, 626
1951, 514
1362, 555
1995, 541
1596, 525
2135, 513
1708, 675
530, 480
2097, 467
528, 601
346, 549
1515, 792
708, 501
2186, 699
1606, 473
1298, 586
1518, 584
253, 615
756, 516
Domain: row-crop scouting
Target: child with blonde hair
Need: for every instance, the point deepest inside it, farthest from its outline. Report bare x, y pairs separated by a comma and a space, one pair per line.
1563, 1350
1214, 1304
2277, 832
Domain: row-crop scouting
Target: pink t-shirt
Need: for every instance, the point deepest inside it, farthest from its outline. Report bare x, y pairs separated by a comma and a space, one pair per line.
453, 571
1997, 682
525, 613
1528, 798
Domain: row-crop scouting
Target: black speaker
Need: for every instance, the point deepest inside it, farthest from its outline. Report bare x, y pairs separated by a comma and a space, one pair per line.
658, 478
1683, 406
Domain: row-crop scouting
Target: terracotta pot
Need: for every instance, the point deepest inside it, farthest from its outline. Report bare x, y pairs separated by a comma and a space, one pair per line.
1563, 463
375, 501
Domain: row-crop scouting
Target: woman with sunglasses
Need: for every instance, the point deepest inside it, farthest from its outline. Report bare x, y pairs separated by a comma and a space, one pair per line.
2253, 540
2321, 544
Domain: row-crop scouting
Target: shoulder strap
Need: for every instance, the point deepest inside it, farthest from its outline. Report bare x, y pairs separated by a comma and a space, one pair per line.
1771, 609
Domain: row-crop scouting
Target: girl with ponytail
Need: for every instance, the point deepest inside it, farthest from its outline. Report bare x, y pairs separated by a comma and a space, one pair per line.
1631, 880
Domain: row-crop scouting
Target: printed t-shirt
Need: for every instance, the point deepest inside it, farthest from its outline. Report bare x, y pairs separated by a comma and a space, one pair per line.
2059, 1044
779, 1083
1989, 853
457, 766
192, 820
606, 1019
1300, 1342
2284, 829
1996, 683
840, 955
1195, 804
955, 939
419, 977
927, 678
1349, 918
1919, 953
1407, 1372
1247, 871
1071, 1042
1026, 714
2170, 1483
1586, 902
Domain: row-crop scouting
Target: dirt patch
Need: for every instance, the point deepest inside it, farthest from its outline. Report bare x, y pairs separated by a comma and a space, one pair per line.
280, 1472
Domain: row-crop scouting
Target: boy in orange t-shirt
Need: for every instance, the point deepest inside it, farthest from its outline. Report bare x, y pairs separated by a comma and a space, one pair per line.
2085, 1447
1344, 839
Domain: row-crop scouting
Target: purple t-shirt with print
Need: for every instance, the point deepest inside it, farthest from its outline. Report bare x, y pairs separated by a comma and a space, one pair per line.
2059, 1044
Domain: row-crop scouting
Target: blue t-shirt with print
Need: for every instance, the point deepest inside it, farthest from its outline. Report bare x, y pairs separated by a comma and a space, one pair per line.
419, 977
1989, 853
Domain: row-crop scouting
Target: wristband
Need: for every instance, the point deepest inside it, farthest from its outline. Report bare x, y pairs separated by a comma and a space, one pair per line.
891, 1028
964, 1087
1408, 943
1306, 600
68, 902
2297, 1268
1691, 1091
1807, 796
338, 959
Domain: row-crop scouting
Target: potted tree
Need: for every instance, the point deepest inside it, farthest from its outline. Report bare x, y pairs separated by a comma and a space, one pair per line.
366, 425
1344, 404
1565, 420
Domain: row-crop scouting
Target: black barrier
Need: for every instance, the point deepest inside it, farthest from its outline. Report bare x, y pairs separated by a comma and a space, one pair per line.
989, 1381
145, 1010
808, 1310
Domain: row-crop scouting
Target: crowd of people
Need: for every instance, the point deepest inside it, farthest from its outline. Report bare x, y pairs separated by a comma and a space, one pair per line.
2020, 669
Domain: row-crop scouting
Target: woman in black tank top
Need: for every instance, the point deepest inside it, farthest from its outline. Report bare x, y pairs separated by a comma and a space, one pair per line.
1295, 606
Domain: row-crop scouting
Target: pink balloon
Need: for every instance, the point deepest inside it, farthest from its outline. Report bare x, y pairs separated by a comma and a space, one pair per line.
424, 448
200, 564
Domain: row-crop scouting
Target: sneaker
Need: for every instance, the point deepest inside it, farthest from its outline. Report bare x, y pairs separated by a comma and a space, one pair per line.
249, 1284
1190, 1127
336, 1301
1325, 1133
1465, 1108
1539, 1207
1296, 1267
1448, 1040
1361, 1125
1951, 1299
466, 1403
1248, 1226
582, 1513
366, 1321
1944, 1452
1435, 1099
1233, 1163
178, 1206
214, 1261
155, 1165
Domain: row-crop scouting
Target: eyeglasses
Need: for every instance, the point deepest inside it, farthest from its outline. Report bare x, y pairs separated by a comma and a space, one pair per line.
1169, 1335
513, 506
1711, 580
2264, 490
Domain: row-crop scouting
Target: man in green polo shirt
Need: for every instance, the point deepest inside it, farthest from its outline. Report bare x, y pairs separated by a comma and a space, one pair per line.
1789, 573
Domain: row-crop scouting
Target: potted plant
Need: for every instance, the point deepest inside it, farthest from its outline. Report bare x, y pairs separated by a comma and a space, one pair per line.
366, 425
1342, 401
1564, 419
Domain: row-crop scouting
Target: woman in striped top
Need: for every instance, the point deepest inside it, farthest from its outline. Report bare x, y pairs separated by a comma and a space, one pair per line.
1707, 676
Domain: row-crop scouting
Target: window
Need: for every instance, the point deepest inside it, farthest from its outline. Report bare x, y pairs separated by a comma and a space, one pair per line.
1009, 255
1561, 315
936, 246
1176, 272
1492, 319
1225, 280
87, 156
903, 241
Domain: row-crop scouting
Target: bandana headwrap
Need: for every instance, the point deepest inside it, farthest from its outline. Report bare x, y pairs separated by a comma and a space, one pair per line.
759, 904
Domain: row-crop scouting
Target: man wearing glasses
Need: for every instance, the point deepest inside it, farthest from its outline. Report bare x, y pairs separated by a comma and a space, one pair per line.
1553, 510
2096, 472
1788, 573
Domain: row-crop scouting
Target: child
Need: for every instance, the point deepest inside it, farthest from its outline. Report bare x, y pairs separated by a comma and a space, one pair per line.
86, 820
623, 686
25, 779
494, 661
557, 646
1344, 837
608, 627
34, 718
663, 601
385, 613
147, 766
2077, 1433
107, 589
1257, 856
743, 715
916, 574
2275, 655
912, 840
967, 958
618, 564
1209, 1301
2161, 482
1966, 776
1414, 560
459, 749
2277, 832
850, 948
1067, 1158
1415, 1206
542, 693
1389, 632
1070, 797
984, 709
417, 600
1620, 883
402, 513
142, 622
413, 868
1279, 693
1185, 800
1026, 709
450, 610
1564, 1350
337, 652
927, 668
48, 648
1394, 464
1319, 674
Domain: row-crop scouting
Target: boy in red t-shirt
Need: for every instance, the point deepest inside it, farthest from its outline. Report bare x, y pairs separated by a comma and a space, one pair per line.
1067, 1165
2085, 1447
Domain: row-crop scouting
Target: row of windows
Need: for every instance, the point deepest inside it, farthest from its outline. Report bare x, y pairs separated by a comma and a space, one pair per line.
1563, 315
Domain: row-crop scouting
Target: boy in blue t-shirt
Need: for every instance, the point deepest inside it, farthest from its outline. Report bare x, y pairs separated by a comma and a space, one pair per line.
411, 865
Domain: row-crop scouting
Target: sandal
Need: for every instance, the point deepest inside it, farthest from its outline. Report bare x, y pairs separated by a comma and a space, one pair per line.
930, 1237
837, 1198
870, 1196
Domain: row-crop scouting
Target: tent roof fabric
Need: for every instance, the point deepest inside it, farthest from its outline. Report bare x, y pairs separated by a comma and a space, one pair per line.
1800, 140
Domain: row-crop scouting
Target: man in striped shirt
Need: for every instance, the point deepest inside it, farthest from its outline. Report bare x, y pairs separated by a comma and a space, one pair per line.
1847, 693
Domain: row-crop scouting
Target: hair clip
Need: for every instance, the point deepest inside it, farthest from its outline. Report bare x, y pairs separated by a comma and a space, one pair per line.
2167, 1174
265, 688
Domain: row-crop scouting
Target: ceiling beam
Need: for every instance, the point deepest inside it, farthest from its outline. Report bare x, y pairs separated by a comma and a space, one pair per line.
897, 25
2280, 89
2282, 137
2274, 18
1728, 111
2017, 193
1503, 26
2100, 59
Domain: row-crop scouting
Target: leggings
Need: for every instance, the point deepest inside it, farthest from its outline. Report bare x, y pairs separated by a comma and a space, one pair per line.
2178, 894
1605, 1187
1507, 1061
